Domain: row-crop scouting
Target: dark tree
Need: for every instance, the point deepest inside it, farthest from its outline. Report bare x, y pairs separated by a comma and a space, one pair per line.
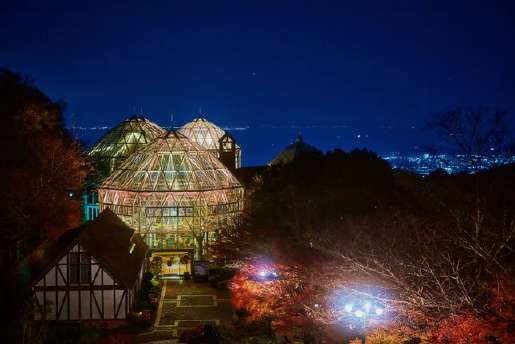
483, 131
40, 179
346, 224
41, 167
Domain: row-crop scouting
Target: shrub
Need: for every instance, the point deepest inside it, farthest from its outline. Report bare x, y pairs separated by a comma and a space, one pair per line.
219, 276
146, 284
242, 313
156, 265
140, 320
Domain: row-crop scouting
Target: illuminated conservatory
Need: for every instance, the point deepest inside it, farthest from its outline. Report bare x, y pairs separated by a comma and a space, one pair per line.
123, 140
215, 140
175, 193
111, 150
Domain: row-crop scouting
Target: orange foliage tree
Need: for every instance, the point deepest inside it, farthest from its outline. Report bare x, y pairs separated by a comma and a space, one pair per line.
41, 174
271, 291
42, 165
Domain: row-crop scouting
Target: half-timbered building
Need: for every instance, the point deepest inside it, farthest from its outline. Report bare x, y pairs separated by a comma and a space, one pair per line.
92, 272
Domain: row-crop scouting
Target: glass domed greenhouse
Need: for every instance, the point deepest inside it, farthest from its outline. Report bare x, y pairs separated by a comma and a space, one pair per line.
111, 150
209, 136
175, 193
121, 141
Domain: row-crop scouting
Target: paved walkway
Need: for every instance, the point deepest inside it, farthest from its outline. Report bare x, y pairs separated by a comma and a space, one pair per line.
187, 305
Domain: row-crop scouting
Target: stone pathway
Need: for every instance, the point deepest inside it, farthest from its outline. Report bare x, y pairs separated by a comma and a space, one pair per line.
187, 305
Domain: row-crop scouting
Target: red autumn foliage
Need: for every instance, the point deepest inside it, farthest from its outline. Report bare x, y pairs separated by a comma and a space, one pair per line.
469, 328
497, 326
280, 297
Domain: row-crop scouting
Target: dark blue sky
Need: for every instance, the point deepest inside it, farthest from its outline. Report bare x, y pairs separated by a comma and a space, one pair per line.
379, 67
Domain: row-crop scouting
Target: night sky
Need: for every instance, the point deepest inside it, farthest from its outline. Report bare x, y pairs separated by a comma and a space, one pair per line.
343, 73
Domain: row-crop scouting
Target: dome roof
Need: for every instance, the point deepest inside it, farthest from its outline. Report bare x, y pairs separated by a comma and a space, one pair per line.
203, 132
171, 163
292, 151
124, 139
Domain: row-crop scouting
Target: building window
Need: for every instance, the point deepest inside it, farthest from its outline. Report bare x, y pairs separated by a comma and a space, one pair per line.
79, 268
169, 212
227, 144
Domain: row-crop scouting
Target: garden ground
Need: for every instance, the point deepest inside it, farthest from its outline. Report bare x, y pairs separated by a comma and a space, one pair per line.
186, 306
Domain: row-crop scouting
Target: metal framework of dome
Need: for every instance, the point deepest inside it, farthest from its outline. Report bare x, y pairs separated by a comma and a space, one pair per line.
175, 193
121, 141
292, 151
208, 135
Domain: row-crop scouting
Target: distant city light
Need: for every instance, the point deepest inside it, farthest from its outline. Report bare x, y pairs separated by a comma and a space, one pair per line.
359, 313
426, 163
379, 311
348, 308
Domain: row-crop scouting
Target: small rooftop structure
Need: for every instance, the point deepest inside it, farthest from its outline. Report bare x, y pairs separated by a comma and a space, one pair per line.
293, 150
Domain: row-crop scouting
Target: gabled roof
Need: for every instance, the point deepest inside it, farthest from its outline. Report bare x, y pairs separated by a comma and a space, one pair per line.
292, 151
169, 164
107, 239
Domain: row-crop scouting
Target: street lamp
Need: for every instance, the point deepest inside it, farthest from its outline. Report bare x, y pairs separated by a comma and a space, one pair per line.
364, 312
266, 275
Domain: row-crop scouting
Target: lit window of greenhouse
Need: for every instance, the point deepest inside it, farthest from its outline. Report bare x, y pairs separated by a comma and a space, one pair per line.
175, 193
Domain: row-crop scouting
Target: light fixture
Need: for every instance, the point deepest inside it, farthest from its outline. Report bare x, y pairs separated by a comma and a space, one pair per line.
348, 308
